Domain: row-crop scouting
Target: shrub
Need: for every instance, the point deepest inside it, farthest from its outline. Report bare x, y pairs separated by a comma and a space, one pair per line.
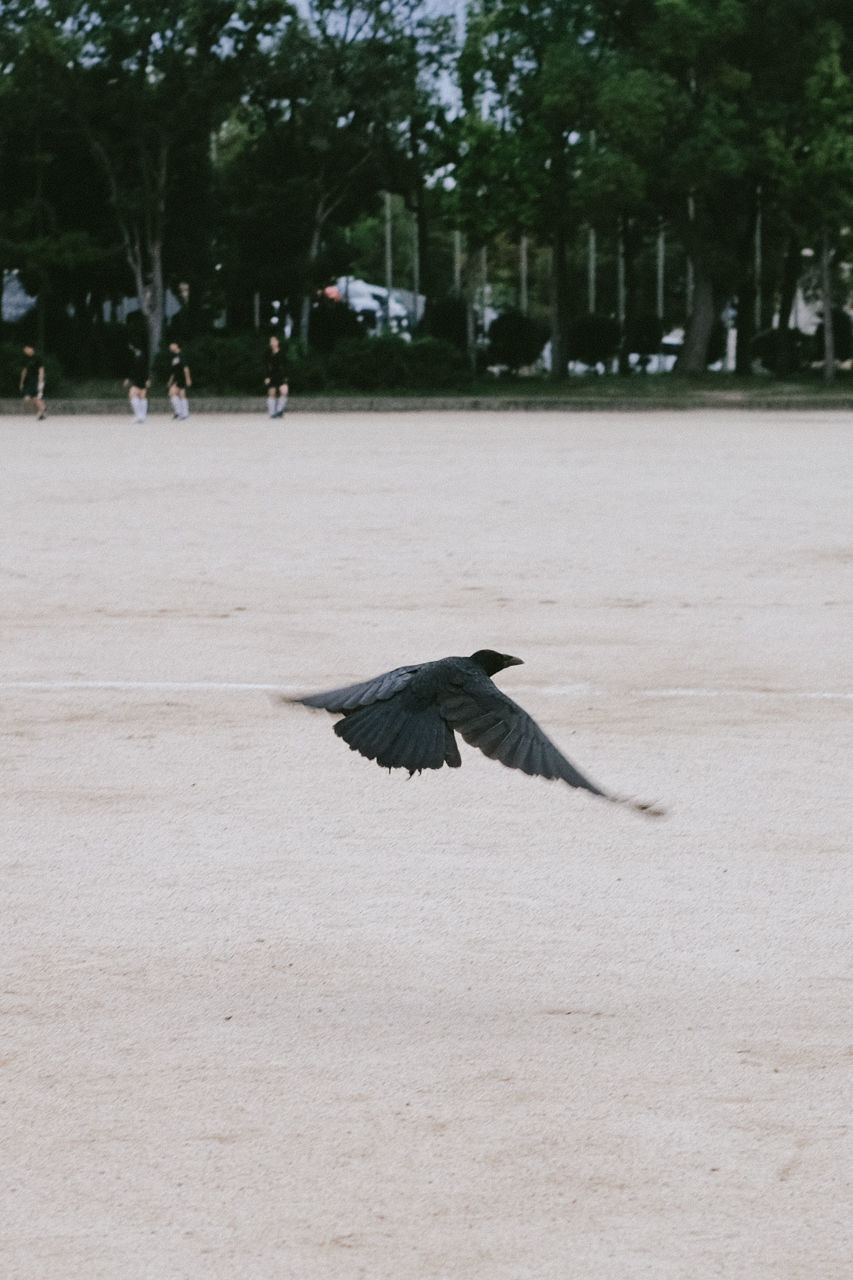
434, 364
765, 347
372, 364
307, 369
593, 339
221, 362
644, 335
515, 339
388, 363
446, 318
332, 323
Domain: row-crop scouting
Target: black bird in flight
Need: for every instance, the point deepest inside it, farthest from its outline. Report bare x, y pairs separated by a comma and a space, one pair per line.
407, 719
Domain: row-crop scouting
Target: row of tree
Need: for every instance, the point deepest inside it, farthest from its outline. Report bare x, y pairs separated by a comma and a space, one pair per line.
233, 148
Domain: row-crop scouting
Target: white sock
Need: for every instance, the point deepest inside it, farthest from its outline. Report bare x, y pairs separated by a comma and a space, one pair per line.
281, 404
271, 405
176, 406
142, 413
185, 408
134, 404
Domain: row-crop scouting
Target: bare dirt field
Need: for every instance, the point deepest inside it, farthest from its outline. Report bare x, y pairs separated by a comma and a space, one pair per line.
270, 1012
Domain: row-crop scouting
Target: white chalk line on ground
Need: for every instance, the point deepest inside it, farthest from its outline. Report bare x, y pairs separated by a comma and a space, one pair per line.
562, 691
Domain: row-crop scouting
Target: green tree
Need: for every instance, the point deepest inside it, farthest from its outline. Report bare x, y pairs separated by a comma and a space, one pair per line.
567, 127
821, 183
340, 110
47, 232
145, 85
527, 75
742, 114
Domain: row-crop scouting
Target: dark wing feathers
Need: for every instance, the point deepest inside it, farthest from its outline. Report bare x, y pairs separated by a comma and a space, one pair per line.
405, 719
353, 696
503, 730
452, 757
398, 738
384, 723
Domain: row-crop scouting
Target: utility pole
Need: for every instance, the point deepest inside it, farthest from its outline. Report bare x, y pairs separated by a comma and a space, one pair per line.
758, 263
661, 267
690, 279
522, 267
389, 263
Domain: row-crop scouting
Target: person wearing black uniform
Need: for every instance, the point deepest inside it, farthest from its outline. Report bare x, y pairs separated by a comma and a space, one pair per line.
276, 380
179, 382
138, 382
32, 381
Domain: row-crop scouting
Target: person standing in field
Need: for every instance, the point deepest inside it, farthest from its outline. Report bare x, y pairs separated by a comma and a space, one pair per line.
138, 381
32, 381
179, 383
276, 379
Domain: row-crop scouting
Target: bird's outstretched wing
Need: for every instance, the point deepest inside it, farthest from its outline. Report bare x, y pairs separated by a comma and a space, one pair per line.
385, 723
406, 718
503, 730
353, 696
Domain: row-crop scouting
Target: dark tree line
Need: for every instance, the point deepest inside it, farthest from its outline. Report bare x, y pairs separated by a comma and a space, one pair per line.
229, 148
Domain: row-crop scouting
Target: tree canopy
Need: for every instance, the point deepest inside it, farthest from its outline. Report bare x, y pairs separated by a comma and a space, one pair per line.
232, 149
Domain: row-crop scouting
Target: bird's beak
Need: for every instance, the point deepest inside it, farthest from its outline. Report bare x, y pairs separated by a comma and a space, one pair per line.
509, 661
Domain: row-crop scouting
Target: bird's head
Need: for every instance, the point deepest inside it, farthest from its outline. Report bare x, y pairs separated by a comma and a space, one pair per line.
492, 662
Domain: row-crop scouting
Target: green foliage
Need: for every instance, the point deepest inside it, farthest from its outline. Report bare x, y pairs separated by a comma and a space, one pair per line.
516, 340
338, 109
446, 320
369, 364
392, 364
435, 365
331, 324
233, 364
222, 363
594, 339
242, 145
308, 371
644, 334
765, 348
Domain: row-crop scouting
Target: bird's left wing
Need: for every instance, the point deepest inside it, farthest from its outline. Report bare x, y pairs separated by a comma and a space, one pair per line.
354, 696
503, 730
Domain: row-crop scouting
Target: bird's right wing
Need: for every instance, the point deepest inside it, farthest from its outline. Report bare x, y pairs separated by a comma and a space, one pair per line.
354, 696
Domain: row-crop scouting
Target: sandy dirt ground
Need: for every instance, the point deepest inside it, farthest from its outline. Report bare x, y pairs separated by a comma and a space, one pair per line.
269, 1011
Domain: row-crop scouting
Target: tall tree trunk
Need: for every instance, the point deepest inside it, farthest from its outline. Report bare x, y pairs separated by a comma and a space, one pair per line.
559, 307
826, 298
313, 255
745, 324
700, 325
748, 287
146, 263
426, 282
156, 296
142, 236
629, 258
784, 356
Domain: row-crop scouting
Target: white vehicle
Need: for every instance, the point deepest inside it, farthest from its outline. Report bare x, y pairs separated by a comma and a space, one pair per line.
378, 312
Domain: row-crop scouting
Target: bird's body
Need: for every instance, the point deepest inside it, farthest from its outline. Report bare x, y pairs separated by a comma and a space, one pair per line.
408, 718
